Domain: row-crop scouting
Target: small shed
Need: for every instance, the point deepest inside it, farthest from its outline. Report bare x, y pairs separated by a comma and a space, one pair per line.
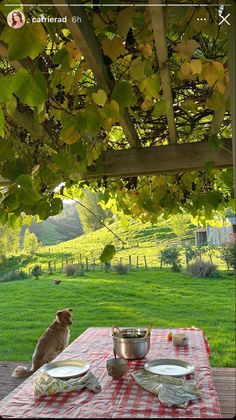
221, 235
201, 237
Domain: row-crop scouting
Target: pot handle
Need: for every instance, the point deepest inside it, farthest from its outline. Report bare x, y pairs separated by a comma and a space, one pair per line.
149, 328
118, 332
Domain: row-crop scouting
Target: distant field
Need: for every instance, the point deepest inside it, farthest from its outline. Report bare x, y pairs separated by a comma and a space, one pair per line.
141, 240
103, 299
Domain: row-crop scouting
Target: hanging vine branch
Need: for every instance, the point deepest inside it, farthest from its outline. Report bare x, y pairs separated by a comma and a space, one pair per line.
90, 211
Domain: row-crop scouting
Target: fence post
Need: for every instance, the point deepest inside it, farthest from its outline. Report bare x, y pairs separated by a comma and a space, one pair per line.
187, 261
145, 262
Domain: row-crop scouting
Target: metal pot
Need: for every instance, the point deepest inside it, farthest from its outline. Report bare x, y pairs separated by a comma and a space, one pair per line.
131, 343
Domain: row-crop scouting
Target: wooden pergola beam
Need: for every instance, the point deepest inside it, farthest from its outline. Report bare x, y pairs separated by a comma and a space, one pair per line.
173, 158
85, 38
159, 32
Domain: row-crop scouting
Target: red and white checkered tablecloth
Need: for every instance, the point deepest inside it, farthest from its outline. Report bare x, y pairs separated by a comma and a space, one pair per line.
121, 398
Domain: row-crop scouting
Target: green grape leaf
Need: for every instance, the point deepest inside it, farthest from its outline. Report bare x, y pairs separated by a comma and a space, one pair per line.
94, 119
100, 97
56, 206
31, 89
151, 87
113, 48
12, 169
108, 253
79, 148
6, 88
5, 150
43, 209
137, 69
160, 108
69, 132
15, 221
28, 41
123, 94
62, 58
124, 21
11, 202
27, 192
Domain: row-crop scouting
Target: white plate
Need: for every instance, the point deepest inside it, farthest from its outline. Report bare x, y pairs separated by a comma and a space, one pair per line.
170, 367
66, 369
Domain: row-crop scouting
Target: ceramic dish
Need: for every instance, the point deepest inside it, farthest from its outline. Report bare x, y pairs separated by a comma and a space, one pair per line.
170, 367
66, 369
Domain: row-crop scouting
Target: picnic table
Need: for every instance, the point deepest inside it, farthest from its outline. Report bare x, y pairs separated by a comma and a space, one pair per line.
122, 398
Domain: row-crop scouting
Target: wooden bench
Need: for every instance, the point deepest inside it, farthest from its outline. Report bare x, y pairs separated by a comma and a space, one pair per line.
224, 379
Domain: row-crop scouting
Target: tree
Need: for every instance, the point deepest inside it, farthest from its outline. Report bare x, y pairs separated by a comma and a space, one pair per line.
36, 271
31, 243
228, 253
89, 222
180, 224
9, 241
171, 256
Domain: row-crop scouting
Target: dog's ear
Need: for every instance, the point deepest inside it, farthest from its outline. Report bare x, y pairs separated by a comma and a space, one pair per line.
70, 310
59, 313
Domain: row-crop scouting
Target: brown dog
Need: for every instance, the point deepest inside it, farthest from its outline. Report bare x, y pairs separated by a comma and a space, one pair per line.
54, 340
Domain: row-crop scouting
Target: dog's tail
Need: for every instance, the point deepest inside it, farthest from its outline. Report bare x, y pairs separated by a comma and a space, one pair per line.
22, 371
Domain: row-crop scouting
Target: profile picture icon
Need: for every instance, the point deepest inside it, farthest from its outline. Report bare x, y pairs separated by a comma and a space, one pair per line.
16, 19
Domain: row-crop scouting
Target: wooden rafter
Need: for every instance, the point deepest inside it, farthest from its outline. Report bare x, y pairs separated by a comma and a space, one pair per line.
159, 32
172, 158
87, 42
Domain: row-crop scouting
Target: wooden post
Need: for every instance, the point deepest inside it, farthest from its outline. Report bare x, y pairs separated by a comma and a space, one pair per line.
87, 268
137, 262
130, 261
145, 262
187, 261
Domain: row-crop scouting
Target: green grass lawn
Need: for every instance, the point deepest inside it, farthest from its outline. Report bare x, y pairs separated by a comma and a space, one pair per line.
103, 299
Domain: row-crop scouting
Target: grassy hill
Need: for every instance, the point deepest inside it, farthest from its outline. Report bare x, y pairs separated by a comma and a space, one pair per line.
56, 229
139, 240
